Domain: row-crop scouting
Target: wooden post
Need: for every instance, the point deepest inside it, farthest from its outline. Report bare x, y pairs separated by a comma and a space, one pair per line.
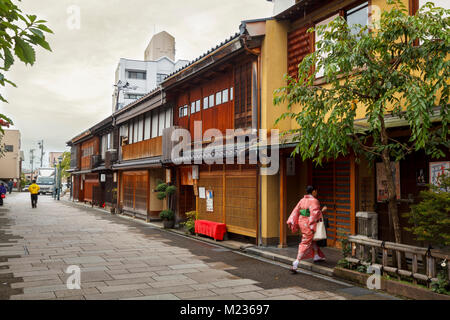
282, 197
414, 268
224, 194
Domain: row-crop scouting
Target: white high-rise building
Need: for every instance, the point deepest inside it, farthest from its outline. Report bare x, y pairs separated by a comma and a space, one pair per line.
144, 76
281, 5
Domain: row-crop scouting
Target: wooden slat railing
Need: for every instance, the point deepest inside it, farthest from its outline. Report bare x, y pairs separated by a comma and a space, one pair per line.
366, 251
143, 149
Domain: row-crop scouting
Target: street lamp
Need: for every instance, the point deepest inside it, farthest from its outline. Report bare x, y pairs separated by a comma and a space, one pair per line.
60, 158
54, 185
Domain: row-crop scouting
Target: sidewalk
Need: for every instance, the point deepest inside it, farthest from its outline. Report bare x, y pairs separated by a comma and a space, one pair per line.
284, 255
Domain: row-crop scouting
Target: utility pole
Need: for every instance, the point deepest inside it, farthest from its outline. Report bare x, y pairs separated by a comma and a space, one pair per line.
32, 162
41, 146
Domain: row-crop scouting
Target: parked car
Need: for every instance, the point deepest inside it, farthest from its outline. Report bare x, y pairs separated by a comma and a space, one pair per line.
25, 189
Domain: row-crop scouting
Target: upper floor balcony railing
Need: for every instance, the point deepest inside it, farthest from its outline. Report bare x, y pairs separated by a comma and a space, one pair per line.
144, 149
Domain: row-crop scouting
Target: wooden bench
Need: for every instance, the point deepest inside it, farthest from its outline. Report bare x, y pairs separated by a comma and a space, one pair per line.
211, 229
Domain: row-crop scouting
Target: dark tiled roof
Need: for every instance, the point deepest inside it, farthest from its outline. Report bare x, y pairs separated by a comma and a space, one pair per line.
236, 35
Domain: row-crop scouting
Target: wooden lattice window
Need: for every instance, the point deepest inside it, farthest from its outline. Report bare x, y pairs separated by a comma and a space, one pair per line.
243, 96
300, 44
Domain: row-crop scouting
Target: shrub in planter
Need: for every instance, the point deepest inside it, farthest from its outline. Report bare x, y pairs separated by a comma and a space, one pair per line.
168, 218
190, 223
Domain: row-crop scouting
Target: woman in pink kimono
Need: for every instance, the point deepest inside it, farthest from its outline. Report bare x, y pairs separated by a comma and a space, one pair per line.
305, 216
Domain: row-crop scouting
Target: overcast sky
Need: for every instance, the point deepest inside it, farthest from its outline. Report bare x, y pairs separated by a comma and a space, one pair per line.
69, 90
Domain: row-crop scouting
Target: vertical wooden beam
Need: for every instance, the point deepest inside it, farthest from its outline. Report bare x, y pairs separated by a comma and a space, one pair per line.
148, 195
352, 194
224, 194
119, 188
282, 243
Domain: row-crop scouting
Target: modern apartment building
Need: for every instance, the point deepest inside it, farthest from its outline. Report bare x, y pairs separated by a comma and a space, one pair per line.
144, 76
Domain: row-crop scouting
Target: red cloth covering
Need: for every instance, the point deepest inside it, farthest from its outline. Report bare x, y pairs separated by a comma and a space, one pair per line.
211, 229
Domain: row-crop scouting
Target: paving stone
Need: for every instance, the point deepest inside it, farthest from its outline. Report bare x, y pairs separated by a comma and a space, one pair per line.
195, 294
230, 290
251, 295
81, 260
169, 283
156, 297
35, 296
233, 283
113, 295
168, 289
133, 275
124, 287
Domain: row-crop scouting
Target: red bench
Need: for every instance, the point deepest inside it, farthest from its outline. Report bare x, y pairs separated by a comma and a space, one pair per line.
211, 229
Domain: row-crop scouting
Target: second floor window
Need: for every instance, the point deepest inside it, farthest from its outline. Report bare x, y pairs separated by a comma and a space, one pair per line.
358, 15
9, 148
140, 75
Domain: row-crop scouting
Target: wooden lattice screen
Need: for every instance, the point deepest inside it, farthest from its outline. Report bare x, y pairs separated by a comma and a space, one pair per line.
243, 96
300, 44
334, 183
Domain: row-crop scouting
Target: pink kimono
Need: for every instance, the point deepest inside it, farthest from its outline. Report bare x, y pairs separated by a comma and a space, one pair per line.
307, 226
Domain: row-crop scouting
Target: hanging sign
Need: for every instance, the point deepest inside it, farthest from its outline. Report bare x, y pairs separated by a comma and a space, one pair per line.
202, 193
209, 201
195, 175
438, 169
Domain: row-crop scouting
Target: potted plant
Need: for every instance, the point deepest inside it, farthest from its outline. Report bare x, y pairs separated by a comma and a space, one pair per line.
190, 223
166, 191
168, 218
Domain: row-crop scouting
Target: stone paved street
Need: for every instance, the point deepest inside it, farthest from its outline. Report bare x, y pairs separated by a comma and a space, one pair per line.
123, 259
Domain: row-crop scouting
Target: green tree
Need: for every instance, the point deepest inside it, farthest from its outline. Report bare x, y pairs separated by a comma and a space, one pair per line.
430, 219
19, 35
65, 165
384, 70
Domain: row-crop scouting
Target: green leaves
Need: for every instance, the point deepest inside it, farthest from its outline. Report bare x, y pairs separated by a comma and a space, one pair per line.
24, 51
381, 71
20, 34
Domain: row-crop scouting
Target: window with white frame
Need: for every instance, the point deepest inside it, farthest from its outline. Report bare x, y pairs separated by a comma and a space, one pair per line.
211, 101
168, 118
231, 94
135, 131
140, 75
225, 96
147, 126
185, 111
218, 98
357, 15
140, 135
321, 71
192, 107
154, 124
197, 106
162, 122
205, 102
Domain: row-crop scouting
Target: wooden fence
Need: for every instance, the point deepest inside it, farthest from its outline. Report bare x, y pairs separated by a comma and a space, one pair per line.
422, 264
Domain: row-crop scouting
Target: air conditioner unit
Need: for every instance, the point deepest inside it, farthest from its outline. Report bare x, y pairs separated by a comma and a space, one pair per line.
95, 161
110, 158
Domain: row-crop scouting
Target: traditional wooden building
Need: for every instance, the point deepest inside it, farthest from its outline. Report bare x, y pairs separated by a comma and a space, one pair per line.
345, 186
139, 167
219, 90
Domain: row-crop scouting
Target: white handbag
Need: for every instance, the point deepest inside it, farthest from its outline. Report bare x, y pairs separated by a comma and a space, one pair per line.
321, 231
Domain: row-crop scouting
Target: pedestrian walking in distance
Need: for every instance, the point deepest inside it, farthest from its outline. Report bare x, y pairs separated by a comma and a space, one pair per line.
10, 185
305, 217
2, 193
34, 191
